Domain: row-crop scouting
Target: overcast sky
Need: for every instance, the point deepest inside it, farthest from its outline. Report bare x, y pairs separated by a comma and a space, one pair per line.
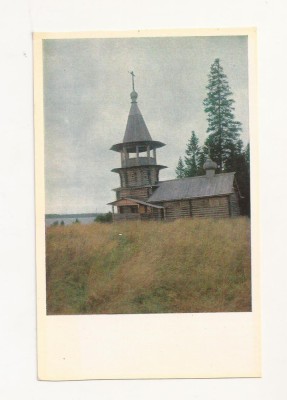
87, 99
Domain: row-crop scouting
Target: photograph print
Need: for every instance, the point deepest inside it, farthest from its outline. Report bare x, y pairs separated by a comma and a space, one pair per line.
147, 174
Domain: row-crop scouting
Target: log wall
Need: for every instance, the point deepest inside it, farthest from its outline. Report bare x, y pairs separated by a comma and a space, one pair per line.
138, 193
213, 207
234, 205
126, 217
139, 176
128, 209
177, 209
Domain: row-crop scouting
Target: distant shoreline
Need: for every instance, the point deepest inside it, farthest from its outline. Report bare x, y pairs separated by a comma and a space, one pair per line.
84, 215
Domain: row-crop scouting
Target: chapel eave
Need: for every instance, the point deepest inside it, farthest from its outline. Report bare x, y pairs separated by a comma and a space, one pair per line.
157, 166
132, 146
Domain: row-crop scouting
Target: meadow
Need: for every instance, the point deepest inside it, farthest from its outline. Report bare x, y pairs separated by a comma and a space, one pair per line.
188, 265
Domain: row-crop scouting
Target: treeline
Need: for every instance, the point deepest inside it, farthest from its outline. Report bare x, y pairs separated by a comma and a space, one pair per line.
107, 217
223, 144
83, 215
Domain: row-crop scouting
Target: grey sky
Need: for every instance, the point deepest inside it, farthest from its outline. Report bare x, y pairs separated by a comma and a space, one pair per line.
87, 99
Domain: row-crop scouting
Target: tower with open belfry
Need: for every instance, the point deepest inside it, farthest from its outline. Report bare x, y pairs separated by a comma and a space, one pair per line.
139, 171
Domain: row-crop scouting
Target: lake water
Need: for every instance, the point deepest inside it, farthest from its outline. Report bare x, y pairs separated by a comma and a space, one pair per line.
69, 220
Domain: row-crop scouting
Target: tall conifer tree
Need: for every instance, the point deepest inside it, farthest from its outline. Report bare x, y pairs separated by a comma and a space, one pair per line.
201, 160
192, 156
180, 169
243, 179
223, 129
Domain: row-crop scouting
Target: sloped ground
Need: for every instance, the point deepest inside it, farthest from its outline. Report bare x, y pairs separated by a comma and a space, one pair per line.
149, 267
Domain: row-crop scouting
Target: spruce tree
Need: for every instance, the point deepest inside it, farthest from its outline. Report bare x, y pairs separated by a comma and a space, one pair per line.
202, 157
180, 169
223, 129
247, 154
243, 179
192, 156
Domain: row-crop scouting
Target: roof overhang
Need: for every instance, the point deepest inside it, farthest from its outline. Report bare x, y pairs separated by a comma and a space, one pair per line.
131, 147
127, 201
193, 197
139, 166
135, 187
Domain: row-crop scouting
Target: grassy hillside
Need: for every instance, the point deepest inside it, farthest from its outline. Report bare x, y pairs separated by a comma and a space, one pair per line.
149, 267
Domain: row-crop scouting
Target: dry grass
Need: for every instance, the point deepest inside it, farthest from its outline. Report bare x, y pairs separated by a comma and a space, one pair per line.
149, 267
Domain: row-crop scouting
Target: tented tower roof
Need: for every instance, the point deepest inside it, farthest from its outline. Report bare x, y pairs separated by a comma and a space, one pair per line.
136, 133
136, 129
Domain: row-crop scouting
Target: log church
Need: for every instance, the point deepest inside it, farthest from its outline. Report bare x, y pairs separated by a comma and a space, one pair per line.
142, 196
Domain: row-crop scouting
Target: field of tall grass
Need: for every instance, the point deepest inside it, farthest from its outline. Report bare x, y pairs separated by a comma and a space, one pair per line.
189, 265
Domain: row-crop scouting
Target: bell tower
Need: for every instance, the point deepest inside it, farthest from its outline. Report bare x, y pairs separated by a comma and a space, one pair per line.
139, 171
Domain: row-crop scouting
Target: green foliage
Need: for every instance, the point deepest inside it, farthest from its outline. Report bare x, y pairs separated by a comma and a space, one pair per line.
223, 144
180, 169
243, 180
62, 223
56, 223
226, 147
223, 129
201, 159
108, 217
76, 221
192, 158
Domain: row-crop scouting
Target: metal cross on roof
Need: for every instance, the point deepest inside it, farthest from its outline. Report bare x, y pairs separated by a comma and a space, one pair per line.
133, 76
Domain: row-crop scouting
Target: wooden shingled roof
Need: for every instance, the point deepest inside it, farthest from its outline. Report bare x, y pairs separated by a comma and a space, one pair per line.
136, 129
137, 136
198, 186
